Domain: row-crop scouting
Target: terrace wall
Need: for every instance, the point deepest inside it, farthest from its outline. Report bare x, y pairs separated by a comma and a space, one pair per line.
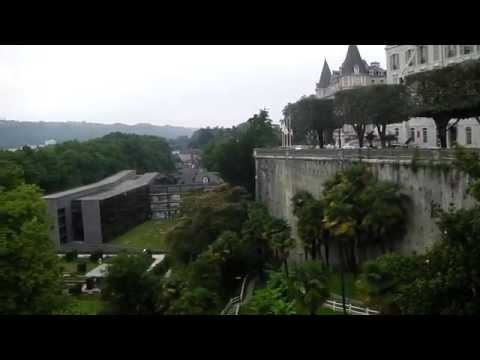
281, 173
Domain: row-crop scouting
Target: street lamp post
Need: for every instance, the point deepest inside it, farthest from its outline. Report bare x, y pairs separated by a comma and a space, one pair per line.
342, 280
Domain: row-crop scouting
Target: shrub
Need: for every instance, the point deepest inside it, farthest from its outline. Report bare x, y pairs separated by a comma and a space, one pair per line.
82, 267
71, 256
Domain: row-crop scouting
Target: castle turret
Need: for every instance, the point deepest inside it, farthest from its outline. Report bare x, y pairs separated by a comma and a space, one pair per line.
325, 77
354, 64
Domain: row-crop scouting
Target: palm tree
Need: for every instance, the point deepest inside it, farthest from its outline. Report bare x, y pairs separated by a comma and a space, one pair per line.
309, 284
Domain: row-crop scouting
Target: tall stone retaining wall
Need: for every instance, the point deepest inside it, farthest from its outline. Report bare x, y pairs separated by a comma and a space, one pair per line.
426, 177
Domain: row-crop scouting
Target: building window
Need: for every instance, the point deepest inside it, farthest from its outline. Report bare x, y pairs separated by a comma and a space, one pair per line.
436, 52
394, 62
468, 134
424, 132
62, 227
422, 54
450, 50
356, 69
412, 134
466, 49
408, 55
397, 132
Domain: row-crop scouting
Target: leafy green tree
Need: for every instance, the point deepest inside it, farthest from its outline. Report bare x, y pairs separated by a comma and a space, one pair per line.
274, 299
310, 225
129, 288
195, 301
30, 272
311, 114
281, 241
204, 217
73, 163
384, 279
387, 104
351, 108
362, 210
444, 280
233, 157
309, 285
451, 92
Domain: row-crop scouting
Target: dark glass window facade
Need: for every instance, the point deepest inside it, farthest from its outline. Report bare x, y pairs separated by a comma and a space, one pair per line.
123, 212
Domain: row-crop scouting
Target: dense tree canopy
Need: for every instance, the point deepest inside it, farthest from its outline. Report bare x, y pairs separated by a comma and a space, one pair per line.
452, 92
311, 115
14, 134
74, 163
351, 108
355, 210
30, 272
232, 156
387, 104
444, 280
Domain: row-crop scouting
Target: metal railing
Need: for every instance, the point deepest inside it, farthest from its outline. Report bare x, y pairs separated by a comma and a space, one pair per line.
233, 306
345, 154
351, 309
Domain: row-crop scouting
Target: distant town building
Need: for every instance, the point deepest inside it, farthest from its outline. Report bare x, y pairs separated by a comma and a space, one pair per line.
99, 212
404, 60
50, 142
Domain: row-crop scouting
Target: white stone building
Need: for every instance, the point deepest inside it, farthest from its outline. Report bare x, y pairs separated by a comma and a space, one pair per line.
404, 60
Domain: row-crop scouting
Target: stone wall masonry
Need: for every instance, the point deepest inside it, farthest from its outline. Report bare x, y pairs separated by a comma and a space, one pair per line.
426, 177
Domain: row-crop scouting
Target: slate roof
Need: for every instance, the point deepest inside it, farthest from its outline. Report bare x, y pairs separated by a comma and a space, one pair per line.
325, 77
124, 187
98, 186
353, 58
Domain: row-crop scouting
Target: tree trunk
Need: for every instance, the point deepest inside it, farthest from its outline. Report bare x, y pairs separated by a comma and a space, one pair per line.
314, 249
320, 138
319, 249
342, 277
329, 136
285, 264
441, 123
353, 260
360, 131
382, 129
327, 250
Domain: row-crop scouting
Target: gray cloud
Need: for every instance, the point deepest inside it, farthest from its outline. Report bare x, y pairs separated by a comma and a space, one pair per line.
177, 85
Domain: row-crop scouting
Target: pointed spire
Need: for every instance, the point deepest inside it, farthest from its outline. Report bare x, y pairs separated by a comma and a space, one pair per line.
325, 77
352, 59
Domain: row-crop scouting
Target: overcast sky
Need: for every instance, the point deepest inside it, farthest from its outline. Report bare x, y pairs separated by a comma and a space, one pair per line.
192, 86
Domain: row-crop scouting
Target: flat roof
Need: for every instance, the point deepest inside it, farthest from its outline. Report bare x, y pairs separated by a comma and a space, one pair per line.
109, 180
125, 186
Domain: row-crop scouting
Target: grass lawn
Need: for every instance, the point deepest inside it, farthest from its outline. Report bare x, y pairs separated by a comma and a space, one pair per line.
149, 235
86, 305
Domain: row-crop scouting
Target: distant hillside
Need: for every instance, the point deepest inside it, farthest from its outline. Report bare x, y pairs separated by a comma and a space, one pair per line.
18, 133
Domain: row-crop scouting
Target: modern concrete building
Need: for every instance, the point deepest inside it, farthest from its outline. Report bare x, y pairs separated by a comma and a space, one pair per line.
97, 213
404, 60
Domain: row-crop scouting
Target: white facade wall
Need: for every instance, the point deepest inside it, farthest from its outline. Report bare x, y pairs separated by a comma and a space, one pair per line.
437, 56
